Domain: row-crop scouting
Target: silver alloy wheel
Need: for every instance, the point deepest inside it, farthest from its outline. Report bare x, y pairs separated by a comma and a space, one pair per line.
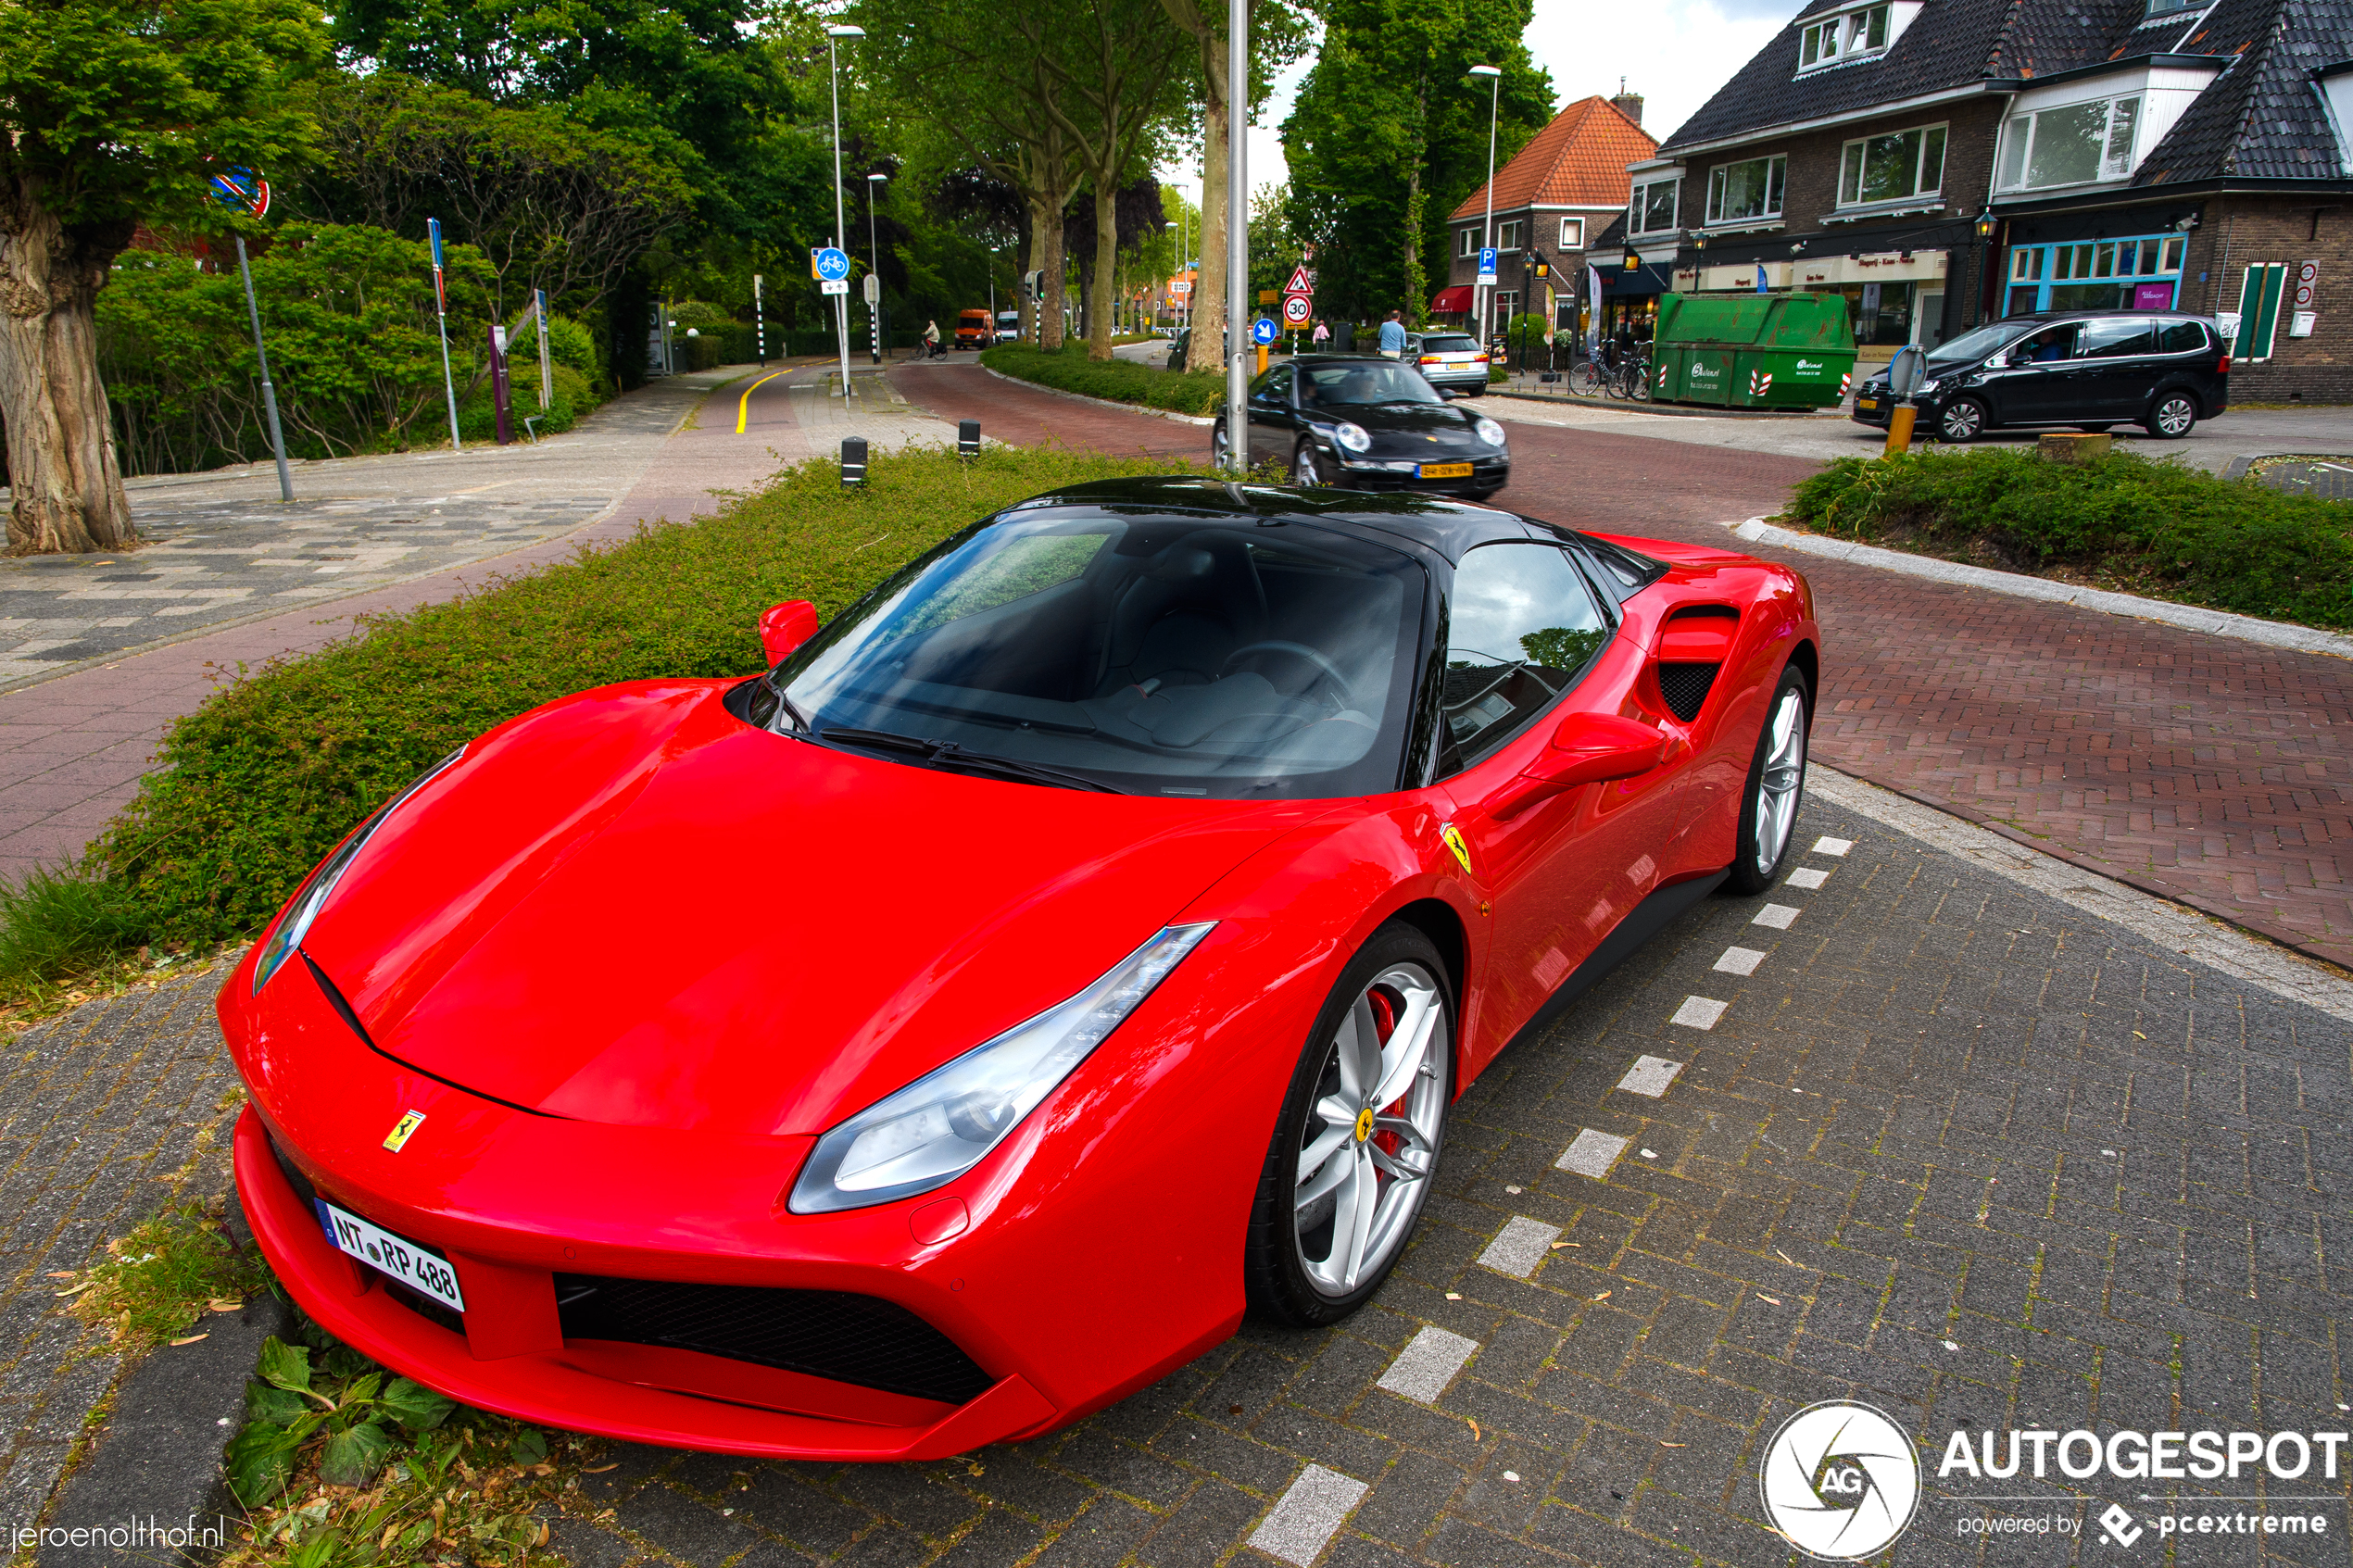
1960, 422
2174, 416
1217, 447
1373, 1133
1779, 782
1305, 469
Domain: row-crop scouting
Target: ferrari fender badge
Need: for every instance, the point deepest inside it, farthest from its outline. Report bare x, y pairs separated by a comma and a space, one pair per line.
1453, 836
402, 1130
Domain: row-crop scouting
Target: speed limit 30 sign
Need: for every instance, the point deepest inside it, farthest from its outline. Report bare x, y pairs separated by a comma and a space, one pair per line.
1296, 309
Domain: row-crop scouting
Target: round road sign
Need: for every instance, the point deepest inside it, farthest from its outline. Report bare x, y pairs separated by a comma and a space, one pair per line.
1296, 308
1261, 330
832, 264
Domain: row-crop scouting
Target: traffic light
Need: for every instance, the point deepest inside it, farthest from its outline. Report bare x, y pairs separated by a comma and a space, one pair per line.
1036, 283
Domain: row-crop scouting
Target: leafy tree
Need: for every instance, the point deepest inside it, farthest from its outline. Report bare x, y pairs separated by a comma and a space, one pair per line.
1390, 128
114, 114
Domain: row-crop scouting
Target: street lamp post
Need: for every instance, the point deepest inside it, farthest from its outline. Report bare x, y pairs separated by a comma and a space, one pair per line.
1237, 233
874, 261
841, 310
1487, 230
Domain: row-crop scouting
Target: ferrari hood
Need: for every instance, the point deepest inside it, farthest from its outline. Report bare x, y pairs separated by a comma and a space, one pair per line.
632, 908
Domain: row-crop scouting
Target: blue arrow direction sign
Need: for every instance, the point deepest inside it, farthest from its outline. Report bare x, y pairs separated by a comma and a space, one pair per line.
832, 264
1487, 265
1261, 330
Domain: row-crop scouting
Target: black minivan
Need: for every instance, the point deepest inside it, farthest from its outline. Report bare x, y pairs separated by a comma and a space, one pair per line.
2088, 368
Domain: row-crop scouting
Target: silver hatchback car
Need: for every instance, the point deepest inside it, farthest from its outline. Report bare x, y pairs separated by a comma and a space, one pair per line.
1449, 361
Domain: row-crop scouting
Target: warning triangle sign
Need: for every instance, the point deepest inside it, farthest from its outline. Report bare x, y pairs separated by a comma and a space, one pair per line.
1299, 283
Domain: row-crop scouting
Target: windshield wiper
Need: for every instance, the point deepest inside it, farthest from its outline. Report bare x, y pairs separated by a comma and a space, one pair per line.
947, 754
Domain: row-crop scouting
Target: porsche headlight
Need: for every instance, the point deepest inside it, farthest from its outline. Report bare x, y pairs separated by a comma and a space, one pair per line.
1352, 435
1488, 430
945, 1122
314, 893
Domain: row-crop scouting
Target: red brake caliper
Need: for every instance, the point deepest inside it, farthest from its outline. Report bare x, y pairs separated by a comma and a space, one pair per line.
1384, 1026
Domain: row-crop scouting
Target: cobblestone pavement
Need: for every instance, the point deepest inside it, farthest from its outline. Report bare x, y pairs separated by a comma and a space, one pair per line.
97, 1109
1903, 1131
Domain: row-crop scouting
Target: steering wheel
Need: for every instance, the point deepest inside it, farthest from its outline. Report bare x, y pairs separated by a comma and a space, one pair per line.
1297, 651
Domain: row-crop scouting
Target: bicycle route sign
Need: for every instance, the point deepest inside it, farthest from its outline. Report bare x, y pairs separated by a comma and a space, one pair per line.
832, 264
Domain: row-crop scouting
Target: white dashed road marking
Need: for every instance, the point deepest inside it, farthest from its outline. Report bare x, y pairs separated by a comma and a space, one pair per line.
1426, 1366
1808, 876
1739, 960
1520, 1246
1832, 845
1778, 916
1592, 1153
1699, 1013
1304, 1523
1650, 1075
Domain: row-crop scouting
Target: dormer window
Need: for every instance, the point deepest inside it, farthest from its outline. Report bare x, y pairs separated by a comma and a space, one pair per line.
2168, 7
1846, 35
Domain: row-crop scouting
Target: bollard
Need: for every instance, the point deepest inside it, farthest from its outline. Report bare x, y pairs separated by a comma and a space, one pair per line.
853, 461
1262, 358
1899, 429
968, 438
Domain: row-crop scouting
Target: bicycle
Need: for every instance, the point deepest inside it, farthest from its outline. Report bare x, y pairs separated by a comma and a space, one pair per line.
1587, 379
1633, 378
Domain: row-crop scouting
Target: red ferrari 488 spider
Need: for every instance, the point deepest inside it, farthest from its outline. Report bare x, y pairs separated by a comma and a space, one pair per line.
958, 1026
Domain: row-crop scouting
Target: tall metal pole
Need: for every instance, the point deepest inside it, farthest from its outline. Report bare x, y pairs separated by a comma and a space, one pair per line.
759, 319
1487, 232
441, 315
268, 398
873, 265
841, 305
1236, 233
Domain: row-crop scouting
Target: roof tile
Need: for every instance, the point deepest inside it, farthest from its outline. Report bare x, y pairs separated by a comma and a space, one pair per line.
1579, 160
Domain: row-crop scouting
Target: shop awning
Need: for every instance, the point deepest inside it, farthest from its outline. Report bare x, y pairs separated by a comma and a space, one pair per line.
1447, 302
1623, 283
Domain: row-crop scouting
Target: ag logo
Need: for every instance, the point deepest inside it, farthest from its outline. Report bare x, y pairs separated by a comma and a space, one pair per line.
1840, 1480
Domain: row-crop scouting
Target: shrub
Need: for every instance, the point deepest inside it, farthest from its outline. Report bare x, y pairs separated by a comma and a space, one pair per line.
2153, 527
256, 785
1119, 381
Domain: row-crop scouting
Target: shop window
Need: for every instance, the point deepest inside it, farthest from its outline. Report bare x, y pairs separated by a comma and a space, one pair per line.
2075, 145
1738, 191
1652, 208
1846, 36
2138, 273
1572, 233
1892, 167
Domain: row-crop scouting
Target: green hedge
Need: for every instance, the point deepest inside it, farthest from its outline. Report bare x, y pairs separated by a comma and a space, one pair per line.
1120, 380
2149, 526
251, 789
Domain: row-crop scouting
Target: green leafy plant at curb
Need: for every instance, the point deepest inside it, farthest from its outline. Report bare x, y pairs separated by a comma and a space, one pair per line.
156, 1284
1119, 381
2155, 528
346, 1408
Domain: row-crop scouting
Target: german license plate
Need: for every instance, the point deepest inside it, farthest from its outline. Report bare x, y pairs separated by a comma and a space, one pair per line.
1866, 402
1446, 471
403, 1260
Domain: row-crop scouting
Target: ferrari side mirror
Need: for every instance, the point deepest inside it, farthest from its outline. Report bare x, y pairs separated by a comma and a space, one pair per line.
1586, 748
786, 626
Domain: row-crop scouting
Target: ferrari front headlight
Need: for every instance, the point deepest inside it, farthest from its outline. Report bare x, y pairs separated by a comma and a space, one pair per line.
945, 1122
1353, 437
312, 897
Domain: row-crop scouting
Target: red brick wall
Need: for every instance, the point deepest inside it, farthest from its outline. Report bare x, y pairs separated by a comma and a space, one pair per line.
2236, 231
1814, 157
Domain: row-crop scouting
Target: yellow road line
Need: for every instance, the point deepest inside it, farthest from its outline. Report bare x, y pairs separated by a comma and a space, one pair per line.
743, 404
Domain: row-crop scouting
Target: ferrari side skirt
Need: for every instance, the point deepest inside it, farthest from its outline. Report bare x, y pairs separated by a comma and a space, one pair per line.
1642, 922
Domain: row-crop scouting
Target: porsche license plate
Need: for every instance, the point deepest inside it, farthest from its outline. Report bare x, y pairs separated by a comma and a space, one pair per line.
1866, 402
1446, 471
404, 1260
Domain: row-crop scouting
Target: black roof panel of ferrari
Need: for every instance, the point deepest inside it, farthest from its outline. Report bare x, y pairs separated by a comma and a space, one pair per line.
1446, 527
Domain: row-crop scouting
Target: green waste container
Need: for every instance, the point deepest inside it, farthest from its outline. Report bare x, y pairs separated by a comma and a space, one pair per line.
1752, 350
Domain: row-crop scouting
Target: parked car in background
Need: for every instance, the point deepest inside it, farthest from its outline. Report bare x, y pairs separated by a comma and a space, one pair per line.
1182, 345
1366, 423
1449, 361
2088, 368
1009, 326
974, 330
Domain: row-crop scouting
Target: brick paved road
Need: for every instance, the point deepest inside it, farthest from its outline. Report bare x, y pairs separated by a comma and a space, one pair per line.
1949, 1147
2199, 768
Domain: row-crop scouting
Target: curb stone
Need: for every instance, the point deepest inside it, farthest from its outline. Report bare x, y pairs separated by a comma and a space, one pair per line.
2190, 618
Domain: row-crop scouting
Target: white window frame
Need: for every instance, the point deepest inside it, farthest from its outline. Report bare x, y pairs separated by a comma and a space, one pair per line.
1718, 179
1840, 36
1919, 193
2017, 153
1507, 234
1470, 245
1640, 196
1572, 233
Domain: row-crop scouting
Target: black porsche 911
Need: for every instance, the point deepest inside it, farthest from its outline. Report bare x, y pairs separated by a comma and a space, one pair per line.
1367, 422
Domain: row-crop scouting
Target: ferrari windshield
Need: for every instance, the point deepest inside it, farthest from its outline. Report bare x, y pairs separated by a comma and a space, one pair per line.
1357, 380
1154, 655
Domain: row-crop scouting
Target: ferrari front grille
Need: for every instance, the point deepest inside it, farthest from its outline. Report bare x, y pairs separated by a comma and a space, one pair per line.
1685, 687
850, 1338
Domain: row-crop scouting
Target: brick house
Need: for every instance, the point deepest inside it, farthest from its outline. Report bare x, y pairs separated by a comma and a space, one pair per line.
1552, 201
1944, 162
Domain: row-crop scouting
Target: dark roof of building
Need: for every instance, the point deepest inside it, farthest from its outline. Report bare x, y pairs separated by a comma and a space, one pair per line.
2261, 119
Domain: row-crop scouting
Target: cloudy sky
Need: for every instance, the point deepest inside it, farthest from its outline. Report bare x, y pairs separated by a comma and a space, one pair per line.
1675, 52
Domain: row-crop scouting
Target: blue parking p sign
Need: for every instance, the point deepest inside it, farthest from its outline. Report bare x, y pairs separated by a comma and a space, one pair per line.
1487, 265
832, 264
1261, 330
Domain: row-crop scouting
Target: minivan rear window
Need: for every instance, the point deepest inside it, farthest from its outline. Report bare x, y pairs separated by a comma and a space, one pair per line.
2109, 337
2180, 337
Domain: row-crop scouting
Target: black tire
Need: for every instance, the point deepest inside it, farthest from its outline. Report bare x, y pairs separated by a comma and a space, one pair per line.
1217, 445
1961, 421
1308, 468
1752, 871
1478, 390
2172, 416
1275, 1267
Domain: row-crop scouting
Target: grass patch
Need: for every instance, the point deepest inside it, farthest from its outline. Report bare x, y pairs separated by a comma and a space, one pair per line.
2126, 521
158, 1283
256, 784
1119, 381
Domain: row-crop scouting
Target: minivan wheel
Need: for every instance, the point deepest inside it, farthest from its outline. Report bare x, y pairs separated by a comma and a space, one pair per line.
1962, 421
2172, 416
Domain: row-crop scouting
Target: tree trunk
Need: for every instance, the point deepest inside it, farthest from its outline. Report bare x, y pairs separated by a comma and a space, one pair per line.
1416, 301
1053, 261
1099, 290
1033, 315
1206, 352
65, 489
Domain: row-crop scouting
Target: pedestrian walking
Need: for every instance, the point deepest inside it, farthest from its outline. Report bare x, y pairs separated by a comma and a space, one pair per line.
1392, 335
1322, 335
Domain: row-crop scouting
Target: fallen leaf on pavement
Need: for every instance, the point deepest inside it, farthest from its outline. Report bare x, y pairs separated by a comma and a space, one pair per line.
192, 1339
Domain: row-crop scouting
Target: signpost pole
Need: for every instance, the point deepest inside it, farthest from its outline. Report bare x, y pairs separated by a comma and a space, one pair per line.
268, 398
498, 395
441, 315
1236, 233
759, 319
546, 367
